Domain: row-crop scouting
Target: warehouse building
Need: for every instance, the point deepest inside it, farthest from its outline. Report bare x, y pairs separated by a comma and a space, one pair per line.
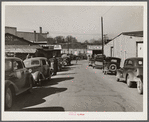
125, 45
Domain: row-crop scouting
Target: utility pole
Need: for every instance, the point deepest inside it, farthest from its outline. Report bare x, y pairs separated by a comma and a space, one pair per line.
102, 36
102, 41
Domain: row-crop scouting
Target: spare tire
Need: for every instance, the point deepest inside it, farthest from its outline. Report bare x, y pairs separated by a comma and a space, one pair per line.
112, 67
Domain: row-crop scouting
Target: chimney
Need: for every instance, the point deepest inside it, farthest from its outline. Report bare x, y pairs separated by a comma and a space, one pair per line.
40, 29
34, 36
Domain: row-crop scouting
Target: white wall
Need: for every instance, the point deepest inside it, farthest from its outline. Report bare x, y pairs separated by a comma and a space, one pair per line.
107, 48
124, 47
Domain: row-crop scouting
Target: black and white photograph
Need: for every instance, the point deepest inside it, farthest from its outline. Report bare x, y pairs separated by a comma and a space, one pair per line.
74, 61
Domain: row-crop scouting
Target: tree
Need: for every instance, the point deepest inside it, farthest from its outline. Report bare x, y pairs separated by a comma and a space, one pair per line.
59, 39
86, 42
50, 40
70, 39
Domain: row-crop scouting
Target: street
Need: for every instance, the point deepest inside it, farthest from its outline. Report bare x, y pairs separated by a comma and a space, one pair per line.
81, 88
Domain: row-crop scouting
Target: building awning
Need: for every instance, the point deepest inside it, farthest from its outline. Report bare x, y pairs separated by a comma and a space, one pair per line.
18, 50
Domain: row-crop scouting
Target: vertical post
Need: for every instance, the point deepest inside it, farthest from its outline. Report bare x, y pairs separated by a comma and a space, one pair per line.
102, 40
68, 47
102, 36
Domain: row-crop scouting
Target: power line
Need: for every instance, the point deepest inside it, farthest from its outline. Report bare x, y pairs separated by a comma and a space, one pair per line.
72, 33
107, 11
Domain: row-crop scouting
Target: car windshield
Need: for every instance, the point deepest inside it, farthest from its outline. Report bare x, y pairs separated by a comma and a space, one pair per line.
114, 60
8, 65
140, 62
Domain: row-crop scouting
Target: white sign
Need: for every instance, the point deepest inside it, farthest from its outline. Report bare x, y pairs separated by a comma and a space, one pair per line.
94, 47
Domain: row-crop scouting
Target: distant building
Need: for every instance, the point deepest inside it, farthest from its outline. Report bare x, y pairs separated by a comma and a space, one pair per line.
125, 45
94, 49
30, 36
20, 45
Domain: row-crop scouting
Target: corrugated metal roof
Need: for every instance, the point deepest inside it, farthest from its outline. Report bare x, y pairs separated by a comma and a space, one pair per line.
20, 48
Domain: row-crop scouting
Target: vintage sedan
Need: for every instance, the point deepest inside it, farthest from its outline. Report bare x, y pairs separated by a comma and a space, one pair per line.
17, 79
98, 61
66, 59
132, 72
39, 68
111, 64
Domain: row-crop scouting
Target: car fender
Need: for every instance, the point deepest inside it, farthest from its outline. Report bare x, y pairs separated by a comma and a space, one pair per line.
9, 83
131, 76
119, 73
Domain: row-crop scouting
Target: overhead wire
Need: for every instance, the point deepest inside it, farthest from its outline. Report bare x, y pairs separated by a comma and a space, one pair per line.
107, 11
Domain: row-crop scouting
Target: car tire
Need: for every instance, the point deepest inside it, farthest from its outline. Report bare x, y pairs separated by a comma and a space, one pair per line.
140, 86
9, 98
112, 67
129, 83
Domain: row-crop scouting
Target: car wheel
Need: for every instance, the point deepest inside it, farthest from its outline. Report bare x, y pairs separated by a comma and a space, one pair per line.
112, 67
8, 98
140, 86
129, 83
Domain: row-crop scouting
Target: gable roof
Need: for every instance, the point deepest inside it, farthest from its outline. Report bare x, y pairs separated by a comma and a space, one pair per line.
133, 33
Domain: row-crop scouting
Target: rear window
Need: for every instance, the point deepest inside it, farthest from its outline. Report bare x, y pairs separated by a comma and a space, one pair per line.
8, 65
35, 62
32, 63
114, 60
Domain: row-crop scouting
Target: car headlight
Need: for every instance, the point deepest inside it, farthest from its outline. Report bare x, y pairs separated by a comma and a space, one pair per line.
30, 70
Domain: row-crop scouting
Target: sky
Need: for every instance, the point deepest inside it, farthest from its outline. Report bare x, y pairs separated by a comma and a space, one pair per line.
82, 22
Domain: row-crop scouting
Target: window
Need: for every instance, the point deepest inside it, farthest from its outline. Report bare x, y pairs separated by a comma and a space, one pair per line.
114, 60
17, 65
8, 65
43, 62
129, 63
34, 62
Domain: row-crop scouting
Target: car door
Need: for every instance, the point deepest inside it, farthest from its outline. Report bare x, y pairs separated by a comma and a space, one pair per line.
45, 67
128, 65
20, 75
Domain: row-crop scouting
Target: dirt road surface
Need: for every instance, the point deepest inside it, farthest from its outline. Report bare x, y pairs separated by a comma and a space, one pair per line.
81, 88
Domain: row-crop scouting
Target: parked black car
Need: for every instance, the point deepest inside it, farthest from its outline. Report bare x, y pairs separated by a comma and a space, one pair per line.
111, 64
98, 61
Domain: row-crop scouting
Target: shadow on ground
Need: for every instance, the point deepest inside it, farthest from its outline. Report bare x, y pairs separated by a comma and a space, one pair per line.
44, 109
66, 73
56, 80
37, 97
134, 85
67, 68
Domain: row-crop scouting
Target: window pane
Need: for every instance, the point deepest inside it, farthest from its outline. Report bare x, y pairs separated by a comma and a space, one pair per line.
35, 62
43, 62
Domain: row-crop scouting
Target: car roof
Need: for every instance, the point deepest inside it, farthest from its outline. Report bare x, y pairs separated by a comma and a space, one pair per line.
36, 58
15, 58
113, 57
134, 58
